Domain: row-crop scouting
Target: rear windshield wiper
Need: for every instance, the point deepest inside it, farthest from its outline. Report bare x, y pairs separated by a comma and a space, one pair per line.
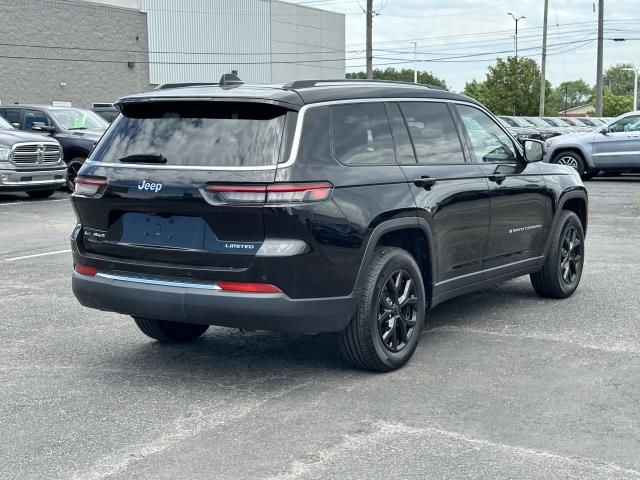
144, 158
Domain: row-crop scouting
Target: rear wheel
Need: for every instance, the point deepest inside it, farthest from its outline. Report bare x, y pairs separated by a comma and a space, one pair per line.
385, 330
170, 332
562, 269
72, 172
40, 193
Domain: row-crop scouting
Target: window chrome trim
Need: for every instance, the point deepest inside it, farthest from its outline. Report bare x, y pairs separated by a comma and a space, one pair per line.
295, 145
162, 283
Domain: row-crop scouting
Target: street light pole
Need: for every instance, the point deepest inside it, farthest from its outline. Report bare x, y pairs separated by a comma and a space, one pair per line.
517, 19
415, 62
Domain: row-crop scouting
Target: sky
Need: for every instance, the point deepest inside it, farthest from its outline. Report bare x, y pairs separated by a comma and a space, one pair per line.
458, 40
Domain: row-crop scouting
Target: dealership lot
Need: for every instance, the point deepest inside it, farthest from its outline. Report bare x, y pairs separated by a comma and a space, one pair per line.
503, 385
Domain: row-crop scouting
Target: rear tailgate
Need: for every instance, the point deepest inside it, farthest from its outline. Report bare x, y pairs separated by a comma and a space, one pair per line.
177, 183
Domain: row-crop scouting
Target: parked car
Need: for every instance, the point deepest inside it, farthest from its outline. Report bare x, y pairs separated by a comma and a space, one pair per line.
543, 129
316, 207
578, 124
558, 123
29, 162
613, 148
108, 113
76, 129
521, 133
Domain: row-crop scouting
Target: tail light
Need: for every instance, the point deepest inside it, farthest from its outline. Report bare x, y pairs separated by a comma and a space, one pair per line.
277, 193
89, 186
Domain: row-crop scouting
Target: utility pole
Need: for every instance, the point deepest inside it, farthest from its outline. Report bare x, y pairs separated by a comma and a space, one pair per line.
369, 39
415, 62
599, 87
543, 67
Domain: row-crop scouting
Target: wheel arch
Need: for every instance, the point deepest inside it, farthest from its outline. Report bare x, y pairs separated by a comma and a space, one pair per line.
412, 234
577, 149
575, 201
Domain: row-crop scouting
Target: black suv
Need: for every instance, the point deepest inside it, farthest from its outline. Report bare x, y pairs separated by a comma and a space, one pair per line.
344, 206
76, 129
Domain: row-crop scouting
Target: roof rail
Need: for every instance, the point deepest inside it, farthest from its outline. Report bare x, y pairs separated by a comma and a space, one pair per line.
347, 81
166, 86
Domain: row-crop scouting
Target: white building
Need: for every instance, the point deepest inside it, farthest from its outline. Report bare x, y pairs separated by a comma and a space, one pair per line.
266, 41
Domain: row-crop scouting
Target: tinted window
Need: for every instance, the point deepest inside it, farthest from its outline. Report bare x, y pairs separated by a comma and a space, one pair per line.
404, 149
433, 132
197, 133
361, 134
488, 141
11, 115
33, 116
4, 125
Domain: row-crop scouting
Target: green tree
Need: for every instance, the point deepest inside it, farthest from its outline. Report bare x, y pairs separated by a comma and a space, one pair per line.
404, 75
512, 87
618, 80
614, 105
574, 93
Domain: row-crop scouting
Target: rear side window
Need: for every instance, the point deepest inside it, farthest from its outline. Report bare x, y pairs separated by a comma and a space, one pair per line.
212, 134
362, 135
433, 132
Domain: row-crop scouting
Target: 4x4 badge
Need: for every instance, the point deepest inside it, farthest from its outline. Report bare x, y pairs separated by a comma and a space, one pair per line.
154, 187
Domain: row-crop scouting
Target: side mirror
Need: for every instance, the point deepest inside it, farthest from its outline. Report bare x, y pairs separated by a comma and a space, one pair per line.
16, 124
604, 130
533, 150
41, 127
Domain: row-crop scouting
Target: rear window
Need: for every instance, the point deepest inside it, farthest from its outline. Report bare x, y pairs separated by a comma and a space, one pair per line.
212, 134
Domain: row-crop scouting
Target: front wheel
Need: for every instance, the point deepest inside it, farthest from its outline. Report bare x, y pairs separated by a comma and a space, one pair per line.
562, 268
72, 172
170, 332
575, 161
385, 330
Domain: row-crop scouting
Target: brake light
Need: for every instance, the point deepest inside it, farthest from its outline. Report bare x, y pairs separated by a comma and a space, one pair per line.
276, 193
248, 287
85, 270
89, 186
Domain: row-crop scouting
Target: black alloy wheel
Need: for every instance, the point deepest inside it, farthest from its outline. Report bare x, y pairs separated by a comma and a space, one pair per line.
397, 311
570, 255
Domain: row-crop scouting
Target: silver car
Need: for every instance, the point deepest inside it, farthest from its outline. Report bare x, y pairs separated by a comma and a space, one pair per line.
613, 148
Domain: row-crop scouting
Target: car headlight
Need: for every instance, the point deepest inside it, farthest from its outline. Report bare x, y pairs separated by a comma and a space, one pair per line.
5, 153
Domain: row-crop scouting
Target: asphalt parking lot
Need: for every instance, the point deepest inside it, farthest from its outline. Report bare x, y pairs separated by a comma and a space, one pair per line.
504, 385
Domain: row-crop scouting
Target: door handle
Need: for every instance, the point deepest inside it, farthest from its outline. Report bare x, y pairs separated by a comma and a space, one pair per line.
497, 177
424, 182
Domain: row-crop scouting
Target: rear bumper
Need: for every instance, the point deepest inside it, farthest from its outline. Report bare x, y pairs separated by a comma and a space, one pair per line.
181, 302
32, 179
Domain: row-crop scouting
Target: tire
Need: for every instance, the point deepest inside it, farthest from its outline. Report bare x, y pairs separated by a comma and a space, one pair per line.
575, 161
563, 266
170, 332
368, 344
41, 193
72, 172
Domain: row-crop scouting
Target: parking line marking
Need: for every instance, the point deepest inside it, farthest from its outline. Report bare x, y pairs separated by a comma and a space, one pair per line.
25, 257
27, 202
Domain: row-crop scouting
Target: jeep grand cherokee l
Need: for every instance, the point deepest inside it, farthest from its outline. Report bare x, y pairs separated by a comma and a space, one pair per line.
345, 206
29, 163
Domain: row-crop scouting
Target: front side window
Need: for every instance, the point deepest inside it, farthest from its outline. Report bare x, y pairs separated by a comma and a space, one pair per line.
195, 134
433, 132
11, 115
488, 141
362, 135
626, 124
35, 116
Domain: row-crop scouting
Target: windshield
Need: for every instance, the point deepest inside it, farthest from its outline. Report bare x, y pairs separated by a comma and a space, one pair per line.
4, 125
575, 122
196, 134
557, 122
519, 122
78, 119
